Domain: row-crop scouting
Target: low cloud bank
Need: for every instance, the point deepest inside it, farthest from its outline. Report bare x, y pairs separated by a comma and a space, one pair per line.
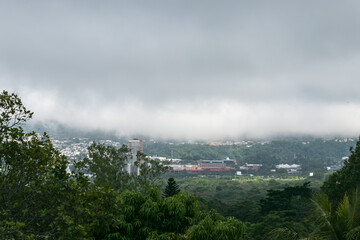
199, 119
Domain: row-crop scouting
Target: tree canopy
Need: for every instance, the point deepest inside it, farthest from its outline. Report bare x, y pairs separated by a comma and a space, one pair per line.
172, 188
346, 179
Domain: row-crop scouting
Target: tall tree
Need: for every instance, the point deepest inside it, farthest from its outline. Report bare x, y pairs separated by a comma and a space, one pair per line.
172, 188
345, 179
107, 165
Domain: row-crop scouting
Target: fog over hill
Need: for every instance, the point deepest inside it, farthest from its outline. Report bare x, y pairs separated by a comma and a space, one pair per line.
186, 69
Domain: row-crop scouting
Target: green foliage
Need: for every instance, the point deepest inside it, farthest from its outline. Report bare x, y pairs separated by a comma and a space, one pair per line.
345, 179
150, 170
246, 211
216, 227
287, 234
291, 204
151, 216
231, 191
270, 222
107, 164
171, 189
286, 199
283, 209
12, 114
166, 236
341, 223
284, 234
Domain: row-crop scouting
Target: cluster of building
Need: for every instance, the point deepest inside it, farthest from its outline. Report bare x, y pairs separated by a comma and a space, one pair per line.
75, 149
290, 168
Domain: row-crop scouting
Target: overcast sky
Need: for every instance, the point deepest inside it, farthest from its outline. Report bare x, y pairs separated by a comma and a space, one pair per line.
186, 69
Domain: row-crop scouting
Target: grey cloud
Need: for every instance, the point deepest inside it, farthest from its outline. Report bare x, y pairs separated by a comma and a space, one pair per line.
88, 54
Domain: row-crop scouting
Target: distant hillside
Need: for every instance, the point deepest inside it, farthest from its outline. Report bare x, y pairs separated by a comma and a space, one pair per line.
320, 151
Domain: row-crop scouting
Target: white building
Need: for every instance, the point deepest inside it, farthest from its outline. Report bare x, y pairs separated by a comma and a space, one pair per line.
164, 159
293, 168
135, 145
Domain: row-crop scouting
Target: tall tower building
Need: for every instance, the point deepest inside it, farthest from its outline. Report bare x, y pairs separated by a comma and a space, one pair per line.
135, 145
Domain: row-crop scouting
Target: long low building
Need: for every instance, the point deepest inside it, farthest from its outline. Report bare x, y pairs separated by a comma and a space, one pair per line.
176, 168
212, 166
293, 168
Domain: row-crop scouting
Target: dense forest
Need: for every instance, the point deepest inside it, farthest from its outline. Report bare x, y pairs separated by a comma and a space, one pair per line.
99, 200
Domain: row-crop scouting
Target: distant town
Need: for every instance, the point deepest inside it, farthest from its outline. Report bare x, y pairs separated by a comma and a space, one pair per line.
75, 149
